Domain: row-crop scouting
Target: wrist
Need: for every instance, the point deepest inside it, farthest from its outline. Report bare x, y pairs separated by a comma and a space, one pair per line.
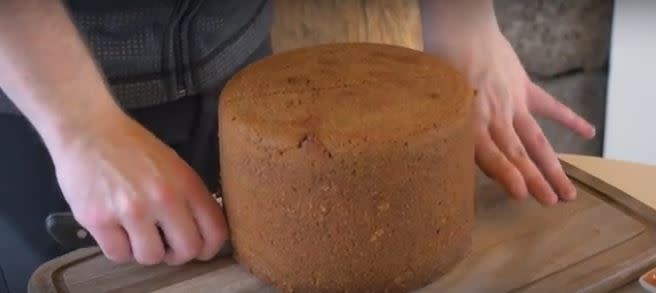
62, 128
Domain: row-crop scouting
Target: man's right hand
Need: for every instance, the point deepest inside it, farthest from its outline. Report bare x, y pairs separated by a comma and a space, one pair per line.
125, 186
121, 182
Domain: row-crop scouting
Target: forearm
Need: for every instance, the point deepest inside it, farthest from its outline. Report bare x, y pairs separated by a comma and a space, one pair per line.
448, 22
47, 72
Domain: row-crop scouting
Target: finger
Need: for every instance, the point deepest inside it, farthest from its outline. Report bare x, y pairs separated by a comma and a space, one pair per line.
211, 225
505, 137
207, 214
113, 242
496, 166
145, 240
179, 229
543, 104
543, 155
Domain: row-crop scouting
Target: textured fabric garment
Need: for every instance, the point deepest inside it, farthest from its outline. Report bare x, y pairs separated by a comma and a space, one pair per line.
29, 191
3, 283
156, 51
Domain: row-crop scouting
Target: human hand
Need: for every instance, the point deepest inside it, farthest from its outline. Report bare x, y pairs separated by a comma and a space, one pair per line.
125, 186
120, 181
510, 145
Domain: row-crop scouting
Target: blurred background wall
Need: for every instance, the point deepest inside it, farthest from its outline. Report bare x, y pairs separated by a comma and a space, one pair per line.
563, 44
631, 98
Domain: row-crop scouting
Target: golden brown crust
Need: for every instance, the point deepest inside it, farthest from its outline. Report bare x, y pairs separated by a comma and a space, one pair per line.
348, 167
352, 91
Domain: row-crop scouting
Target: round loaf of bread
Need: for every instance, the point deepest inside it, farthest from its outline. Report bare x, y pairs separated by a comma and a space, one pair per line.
348, 167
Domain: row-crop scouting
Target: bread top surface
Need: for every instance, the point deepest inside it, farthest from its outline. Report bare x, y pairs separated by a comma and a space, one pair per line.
339, 92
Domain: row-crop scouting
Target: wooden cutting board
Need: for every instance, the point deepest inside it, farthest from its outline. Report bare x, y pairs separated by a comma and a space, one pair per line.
597, 243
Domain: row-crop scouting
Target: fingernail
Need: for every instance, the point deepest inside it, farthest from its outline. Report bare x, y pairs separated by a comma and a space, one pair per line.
570, 194
594, 131
551, 201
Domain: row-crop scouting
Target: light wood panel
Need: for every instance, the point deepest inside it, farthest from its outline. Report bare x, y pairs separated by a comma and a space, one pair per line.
636, 179
299, 23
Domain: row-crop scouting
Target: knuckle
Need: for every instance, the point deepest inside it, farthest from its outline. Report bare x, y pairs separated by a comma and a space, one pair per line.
515, 190
499, 124
508, 172
539, 140
153, 256
86, 218
519, 195
119, 258
184, 253
94, 217
494, 110
163, 195
549, 200
212, 245
579, 121
480, 130
517, 153
133, 210
207, 254
570, 116
535, 179
191, 249
553, 168
497, 157
116, 254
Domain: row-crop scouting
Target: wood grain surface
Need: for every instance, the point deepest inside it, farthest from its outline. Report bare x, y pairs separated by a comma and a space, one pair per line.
635, 179
299, 23
593, 244
632, 182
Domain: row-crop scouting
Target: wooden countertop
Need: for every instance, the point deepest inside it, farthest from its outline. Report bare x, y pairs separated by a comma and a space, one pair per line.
637, 180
